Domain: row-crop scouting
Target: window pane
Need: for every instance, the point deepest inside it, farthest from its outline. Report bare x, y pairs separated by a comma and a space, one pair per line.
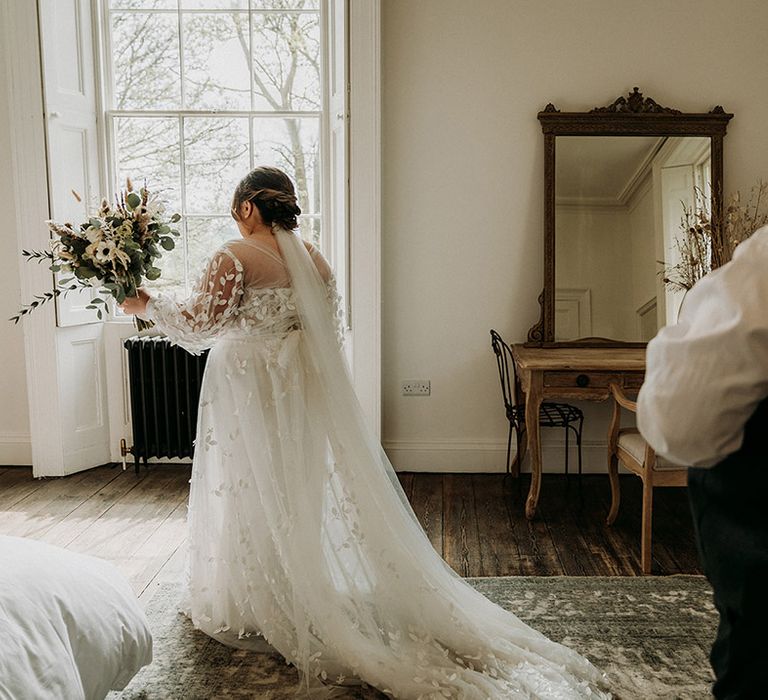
293, 145
286, 4
204, 236
216, 49
143, 4
309, 227
172, 267
145, 55
286, 61
214, 4
216, 158
147, 149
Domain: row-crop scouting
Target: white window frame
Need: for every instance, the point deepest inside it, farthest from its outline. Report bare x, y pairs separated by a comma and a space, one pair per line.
365, 203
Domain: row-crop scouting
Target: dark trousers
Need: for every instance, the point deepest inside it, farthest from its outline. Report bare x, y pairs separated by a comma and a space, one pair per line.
730, 514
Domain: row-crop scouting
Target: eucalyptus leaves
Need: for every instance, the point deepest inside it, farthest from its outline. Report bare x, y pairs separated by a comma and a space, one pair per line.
113, 251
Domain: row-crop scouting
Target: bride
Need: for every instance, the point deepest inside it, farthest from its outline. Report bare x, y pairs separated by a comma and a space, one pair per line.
299, 531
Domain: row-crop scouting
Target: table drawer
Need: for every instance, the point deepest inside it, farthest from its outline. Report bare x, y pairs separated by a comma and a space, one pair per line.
631, 381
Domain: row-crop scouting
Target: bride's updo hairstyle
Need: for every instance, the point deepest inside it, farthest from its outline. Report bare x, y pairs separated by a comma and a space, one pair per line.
272, 193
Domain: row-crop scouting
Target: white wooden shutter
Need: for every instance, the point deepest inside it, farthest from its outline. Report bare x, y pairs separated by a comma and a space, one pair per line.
66, 28
70, 104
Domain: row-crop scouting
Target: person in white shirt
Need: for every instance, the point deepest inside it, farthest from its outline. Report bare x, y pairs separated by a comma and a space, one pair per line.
704, 404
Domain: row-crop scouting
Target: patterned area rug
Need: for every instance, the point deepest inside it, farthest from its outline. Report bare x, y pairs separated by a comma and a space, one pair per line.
651, 635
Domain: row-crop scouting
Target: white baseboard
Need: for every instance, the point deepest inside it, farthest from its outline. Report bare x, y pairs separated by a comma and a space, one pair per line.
454, 456
15, 450
488, 456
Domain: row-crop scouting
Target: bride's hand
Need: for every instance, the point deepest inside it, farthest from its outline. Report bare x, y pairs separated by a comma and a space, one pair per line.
137, 304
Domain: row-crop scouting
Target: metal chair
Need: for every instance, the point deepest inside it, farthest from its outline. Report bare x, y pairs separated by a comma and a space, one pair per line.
551, 415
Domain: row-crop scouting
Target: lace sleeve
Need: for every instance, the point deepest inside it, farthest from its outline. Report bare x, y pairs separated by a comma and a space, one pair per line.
195, 323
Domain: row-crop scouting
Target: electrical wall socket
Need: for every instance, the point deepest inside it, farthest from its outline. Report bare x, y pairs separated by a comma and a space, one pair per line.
416, 387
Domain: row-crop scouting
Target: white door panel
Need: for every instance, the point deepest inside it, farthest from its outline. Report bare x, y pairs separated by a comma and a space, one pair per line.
70, 108
82, 382
70, 116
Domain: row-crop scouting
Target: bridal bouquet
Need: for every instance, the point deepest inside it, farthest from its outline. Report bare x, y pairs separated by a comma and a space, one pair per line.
113, 251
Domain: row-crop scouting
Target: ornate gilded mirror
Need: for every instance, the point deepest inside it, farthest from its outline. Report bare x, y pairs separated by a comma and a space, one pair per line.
618, 181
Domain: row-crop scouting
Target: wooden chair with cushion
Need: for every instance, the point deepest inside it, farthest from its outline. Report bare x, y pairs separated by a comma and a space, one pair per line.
627, 446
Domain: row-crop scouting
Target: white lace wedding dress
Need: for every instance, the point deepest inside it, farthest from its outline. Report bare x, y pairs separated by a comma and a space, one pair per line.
298, 528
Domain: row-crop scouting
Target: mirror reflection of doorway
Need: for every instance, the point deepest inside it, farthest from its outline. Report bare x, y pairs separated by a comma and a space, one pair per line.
684, 183
618, 209
573, 313
647, 323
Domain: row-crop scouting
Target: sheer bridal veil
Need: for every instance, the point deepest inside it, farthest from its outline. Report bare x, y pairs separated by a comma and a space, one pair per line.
370, 597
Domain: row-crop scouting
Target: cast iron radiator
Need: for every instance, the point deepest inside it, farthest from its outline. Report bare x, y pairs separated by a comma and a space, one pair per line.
164, 382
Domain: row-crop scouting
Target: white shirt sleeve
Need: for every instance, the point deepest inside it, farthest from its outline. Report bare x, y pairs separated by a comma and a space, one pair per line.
706, 375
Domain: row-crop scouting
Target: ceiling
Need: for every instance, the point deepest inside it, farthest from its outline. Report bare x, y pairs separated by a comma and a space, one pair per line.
601, 168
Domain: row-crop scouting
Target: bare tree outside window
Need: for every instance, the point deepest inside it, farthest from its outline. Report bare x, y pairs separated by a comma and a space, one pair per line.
203, 90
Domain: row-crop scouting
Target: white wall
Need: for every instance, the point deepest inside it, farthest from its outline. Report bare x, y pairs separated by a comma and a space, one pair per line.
14, 414
592, 251
463, 168
641, 216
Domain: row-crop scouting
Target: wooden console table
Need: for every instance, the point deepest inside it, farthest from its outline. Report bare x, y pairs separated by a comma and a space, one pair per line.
582, 374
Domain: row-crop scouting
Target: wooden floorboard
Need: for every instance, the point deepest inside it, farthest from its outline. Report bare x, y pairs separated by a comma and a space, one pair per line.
461, 536
427, 502
406, 481
89, 512
561, 512
172, 571
499, 550
42, 509
17, 484
588, 516
674, 516
145, 563
475, 521
622, 539
122, 529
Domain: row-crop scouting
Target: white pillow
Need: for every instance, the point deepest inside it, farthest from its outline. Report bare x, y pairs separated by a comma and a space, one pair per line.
70, 625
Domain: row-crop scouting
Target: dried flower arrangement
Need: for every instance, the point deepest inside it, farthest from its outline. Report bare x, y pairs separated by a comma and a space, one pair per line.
704, 245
